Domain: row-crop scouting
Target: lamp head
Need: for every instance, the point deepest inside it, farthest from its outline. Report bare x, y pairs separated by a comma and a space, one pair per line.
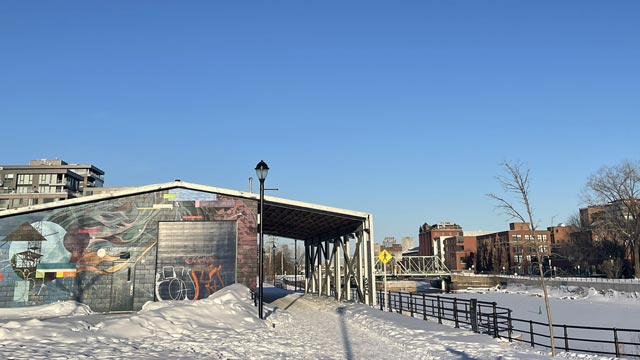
261, 170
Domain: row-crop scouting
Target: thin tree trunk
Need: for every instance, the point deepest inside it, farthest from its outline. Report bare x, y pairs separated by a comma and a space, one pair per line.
636, 259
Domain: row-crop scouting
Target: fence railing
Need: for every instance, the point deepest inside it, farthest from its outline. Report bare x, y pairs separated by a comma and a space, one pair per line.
576, 278
488, 318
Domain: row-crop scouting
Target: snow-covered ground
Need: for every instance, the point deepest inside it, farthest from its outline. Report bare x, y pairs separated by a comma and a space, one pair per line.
226, 326
571, 305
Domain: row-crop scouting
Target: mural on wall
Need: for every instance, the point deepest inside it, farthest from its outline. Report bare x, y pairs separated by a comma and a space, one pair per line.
34, 250
194, 259
61, 254
189, 283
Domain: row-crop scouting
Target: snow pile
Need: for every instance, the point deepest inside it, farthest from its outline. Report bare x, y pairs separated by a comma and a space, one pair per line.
229, 308
61, 308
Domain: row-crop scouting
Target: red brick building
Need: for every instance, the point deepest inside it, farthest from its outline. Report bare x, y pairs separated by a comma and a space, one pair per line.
512, 251
431, 238
560, 234
457, 250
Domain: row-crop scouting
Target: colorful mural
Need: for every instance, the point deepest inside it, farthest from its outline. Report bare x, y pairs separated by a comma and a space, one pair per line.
75, 252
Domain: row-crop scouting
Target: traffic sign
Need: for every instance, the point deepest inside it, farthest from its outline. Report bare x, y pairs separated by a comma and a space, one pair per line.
385, 256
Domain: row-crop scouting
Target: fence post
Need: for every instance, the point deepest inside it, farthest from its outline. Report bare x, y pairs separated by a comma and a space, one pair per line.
615, 340
389, 306
510, 325
424, 307
400, 301
473, 310
531, 333
439, 311
381, 299
455, 312
566, 338
495, 320
411, 302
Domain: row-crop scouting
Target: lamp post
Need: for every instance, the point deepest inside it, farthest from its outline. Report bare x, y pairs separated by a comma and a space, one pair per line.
261, 170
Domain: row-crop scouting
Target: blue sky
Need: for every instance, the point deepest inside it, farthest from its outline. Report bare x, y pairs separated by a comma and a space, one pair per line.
402, 109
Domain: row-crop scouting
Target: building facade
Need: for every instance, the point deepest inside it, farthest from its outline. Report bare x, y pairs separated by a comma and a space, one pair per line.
115, 254
513, 251
44, 181
431, 238
458, 250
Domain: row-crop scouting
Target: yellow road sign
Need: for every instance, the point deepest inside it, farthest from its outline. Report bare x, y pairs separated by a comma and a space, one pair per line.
385, 256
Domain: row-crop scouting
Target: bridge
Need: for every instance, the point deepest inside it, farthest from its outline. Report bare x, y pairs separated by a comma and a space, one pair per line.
413, 266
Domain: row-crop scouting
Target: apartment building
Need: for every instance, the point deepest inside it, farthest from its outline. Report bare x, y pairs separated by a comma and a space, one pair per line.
512, 251
45, 181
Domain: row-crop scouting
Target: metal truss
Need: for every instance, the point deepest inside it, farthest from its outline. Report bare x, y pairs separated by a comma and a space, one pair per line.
413, 266
332, 269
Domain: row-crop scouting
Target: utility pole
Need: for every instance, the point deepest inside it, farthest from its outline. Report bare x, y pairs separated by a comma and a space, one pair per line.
272, 241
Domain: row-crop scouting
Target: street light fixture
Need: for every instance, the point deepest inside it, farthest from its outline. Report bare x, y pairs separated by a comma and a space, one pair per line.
261, 170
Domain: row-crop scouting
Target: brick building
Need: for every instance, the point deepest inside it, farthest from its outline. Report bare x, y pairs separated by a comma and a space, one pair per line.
431, 239
457, 250
512, 251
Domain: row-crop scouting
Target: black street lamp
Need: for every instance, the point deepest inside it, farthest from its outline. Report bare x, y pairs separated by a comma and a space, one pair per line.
261, 170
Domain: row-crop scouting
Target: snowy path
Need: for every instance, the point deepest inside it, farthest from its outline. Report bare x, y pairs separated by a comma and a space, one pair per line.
330, 333
360, 332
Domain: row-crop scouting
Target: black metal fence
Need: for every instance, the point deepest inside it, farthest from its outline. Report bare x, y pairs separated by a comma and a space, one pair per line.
488, 318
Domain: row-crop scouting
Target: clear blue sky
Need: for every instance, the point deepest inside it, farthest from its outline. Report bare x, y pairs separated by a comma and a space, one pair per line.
401, 109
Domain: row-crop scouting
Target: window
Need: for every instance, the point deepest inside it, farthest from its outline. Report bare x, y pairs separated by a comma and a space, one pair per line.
47, 178
8, 176
517, 259
45, 189
25, 179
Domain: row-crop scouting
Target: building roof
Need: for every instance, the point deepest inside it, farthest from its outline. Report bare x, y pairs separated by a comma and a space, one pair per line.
282, 217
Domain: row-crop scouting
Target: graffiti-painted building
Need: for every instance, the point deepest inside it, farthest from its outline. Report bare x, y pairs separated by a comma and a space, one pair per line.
115, 251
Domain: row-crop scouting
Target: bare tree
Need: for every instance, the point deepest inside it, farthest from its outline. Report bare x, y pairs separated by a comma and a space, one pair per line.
618, 189
515, 181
